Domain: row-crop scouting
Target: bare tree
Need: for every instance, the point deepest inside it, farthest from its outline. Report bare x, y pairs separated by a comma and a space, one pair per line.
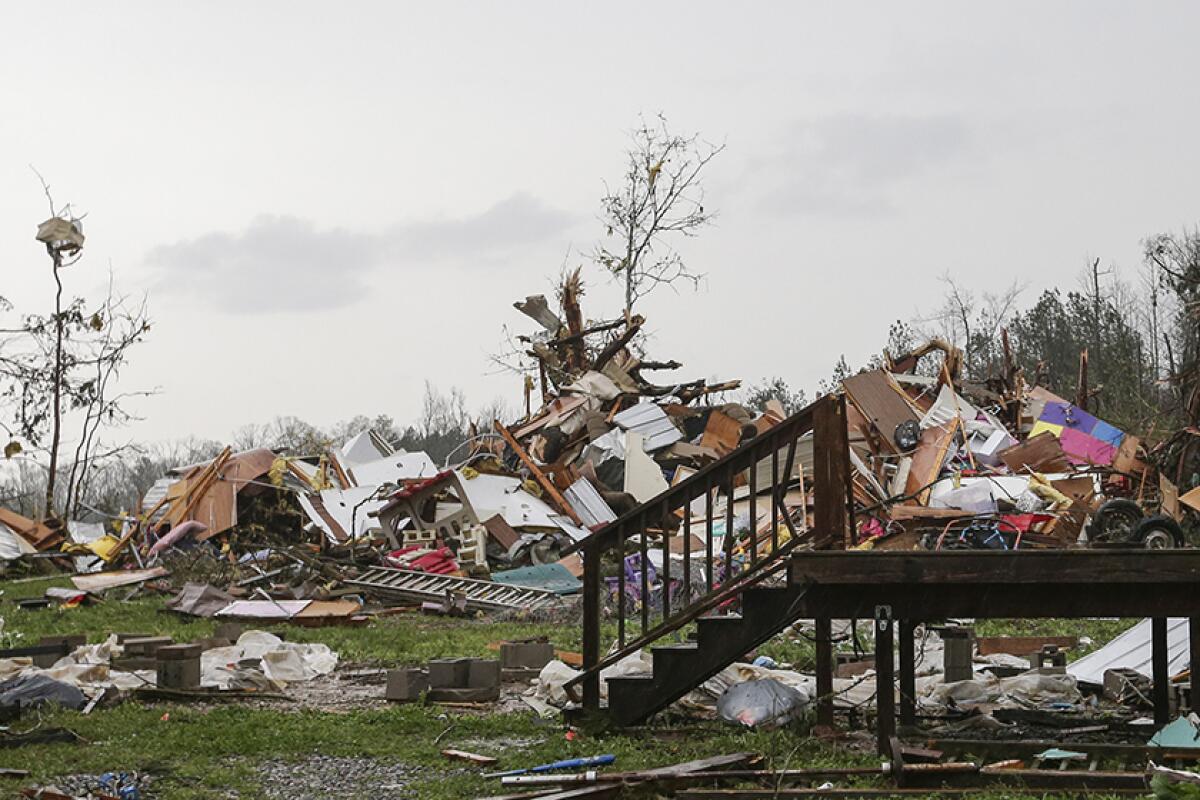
68, 363
660, 197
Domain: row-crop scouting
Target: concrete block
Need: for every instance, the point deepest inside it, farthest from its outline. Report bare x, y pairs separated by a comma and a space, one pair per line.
483, 673
178, 652
65, 645
448, 673
526, 655
179, 673
69, 642
485, 695
406, 684
147, 646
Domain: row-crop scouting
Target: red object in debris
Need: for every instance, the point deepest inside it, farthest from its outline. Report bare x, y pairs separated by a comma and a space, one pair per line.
1023, 522
440, 561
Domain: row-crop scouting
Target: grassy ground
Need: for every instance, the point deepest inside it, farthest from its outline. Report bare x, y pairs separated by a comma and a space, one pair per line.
222, 751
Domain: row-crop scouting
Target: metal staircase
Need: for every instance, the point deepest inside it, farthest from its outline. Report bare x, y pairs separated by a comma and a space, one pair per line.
745, 570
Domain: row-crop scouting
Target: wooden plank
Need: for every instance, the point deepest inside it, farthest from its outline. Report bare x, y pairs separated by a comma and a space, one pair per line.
831, 474
1042, 453
547, 485
927, 461
999, 567
997, 600
1022, 645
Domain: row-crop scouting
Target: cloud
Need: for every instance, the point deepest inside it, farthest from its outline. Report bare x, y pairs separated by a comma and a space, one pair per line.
852, 165
283, 263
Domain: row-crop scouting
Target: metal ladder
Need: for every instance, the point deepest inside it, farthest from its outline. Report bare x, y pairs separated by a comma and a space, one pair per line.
480, 595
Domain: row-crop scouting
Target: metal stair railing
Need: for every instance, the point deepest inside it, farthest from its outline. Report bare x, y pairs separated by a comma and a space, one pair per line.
740, 563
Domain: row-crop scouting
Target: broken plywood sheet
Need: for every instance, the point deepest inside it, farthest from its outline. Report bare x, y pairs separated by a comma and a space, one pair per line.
928, 459
1042, 453
882, 402
722, 433
1126, 460
500, 531
1080, 490
99, 581
217, 508
36, 534
1170, 497
643, 477
329, 609
1191, 499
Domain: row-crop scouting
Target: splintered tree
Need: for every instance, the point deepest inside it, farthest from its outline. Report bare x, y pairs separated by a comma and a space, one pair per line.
660, 198
63, 368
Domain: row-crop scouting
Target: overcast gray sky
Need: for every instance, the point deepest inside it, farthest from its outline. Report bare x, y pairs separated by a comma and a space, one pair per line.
331, 203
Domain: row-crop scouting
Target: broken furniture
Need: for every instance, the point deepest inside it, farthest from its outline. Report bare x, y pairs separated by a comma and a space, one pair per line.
422, 503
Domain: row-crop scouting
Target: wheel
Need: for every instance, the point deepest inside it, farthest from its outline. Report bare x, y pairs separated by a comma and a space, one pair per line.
1159, 533
1116, 521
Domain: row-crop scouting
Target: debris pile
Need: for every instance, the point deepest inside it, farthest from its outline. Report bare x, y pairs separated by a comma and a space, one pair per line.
957, 464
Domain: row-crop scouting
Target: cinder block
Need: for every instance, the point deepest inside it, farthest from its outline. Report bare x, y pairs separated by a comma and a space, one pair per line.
211, 643
448, 673
483, 673
147, 646
526, 655
406, 684
180, 669
178, 652
229, 630
69, 642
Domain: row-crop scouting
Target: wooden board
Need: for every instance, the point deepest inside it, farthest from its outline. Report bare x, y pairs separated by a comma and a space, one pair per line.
1022, 645
928, 459
881, 400
1042, 453
1054, 567
722, 433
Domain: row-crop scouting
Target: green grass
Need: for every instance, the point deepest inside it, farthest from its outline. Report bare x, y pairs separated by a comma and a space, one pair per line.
1100, 631
214, 751
199, 753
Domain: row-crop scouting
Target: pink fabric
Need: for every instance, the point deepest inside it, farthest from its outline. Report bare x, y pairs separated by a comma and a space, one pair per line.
178, 534
1084, 449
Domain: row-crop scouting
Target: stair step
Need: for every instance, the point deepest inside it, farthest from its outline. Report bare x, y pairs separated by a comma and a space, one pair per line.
629, 696
669, 657
765, 602
711, 631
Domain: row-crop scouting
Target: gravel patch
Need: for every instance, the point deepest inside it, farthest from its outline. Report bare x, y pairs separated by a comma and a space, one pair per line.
336, 778
86, 785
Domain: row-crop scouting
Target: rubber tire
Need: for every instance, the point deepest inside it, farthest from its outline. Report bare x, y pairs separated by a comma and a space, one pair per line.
1160, 523
1122, 507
